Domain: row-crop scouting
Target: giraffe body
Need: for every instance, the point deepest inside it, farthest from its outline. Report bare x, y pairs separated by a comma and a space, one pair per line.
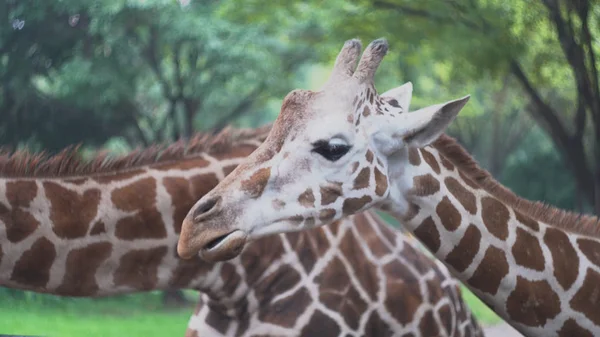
344, 149
113, 229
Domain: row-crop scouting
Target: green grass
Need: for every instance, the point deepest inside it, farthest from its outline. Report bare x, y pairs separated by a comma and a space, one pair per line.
484, 314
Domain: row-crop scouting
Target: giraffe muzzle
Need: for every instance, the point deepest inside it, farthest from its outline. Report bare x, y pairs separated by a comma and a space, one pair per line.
224, 247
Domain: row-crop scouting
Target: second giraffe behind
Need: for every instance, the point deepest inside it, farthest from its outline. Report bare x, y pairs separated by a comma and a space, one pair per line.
344, 149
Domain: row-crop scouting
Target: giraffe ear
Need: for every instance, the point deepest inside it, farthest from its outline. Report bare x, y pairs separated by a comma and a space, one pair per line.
399, 96
418, 128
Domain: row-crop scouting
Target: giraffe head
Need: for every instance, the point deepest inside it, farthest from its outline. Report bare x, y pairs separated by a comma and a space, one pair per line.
327, 156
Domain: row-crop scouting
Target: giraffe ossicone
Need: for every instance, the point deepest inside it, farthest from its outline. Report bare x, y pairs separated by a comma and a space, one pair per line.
344, 149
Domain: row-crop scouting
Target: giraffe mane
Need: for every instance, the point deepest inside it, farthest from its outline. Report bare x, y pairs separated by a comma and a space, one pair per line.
22, 163
539, 211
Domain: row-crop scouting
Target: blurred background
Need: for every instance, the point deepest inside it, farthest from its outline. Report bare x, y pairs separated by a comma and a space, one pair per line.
119, 74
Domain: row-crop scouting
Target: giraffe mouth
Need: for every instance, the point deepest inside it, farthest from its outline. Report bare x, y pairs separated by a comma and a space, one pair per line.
224, 247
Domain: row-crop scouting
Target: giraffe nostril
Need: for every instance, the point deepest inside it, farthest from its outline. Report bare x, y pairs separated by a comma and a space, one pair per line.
206, 206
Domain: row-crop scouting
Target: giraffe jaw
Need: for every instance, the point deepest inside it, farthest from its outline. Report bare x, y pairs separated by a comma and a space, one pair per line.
223, 247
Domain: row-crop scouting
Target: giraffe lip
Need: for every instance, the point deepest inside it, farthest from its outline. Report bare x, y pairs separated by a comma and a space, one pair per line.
224, 247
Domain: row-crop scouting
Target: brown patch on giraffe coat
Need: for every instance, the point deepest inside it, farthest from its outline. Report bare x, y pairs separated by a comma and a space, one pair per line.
414, 158
564, 257
587, 299
403, 295
465, 197
449, 215
21, 193
369, 236
446, 163
381, 183
495, 217
591, 250
218, 321
377, 327
354, 167
362, 179
258, 257
66, 223
329, 195
320, 325
19, 224
307, 198
428, 325
202, 184
98, 228
76, 181
430, 160
284, 312
255, 185
326, 215
138, 268
469, 181
309, 246
188, 270
231, 279
366, 111
181, 199
425, 185
239, 151
309, 221
570, 328
365, 272
447, 320
369, 156
146, 221
353, 205
527, 221
33, 267
109, 177
527, 251
228, 169
490, 272
419, 261
532, 303
428, 233
81, 266
462, 255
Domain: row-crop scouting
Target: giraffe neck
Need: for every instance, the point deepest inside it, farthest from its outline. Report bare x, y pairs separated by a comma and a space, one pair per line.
540, 277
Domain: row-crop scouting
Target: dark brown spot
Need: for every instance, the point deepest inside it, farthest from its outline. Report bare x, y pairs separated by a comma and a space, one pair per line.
81, 267
66, 222
428, 325
369, 156
366, 111
307, 198
283, 312
278, 282
393, 103
463, 254
228, 169
181, 199
587, 298
527, 221
255, 185
218, 321
99, 228
448, 214
532, 303
381, 183
414, 158
364, 270
309, 246
428, 234
447, 164
138, 268
377, 327
495, 217
256, 267
527, 251
403, 294
469, 181
309, 221
21, 193
107, 178
564, 257
355, 167
19, 224
357, 121
362, 179
320, 325
326, 215
353, 205
369, 236
464, 196
146, 221
231, 279
33, 267
490, 272
591, 250
430, 160
425, 185
571, 328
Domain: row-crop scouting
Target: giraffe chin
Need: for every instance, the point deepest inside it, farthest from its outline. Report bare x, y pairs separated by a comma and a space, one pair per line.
224, 247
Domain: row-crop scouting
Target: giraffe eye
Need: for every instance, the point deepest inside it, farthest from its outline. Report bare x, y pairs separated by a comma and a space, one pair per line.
331, 151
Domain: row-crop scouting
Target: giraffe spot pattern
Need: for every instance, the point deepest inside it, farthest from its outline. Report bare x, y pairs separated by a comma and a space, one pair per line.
495, 217
231, 279
67, 224
587, 299
275, 283
18, 223
326, 215
430, 160
591, 250
532, 303
425, 185
428, 233
370, 237
464, 196
187, 270
255, 268
138, 268
365, 272
403, 296
381, 183
428, 325
490, 272
308, 247
181, 199
98, 228
320, 325
414, 158
377, 327
283, 312
21, 193
449, 215
329, 194
81, 266
366, 111
353, 205
463, 254
218, 321
446, 163
362, 179
112, 177
255, 185
307, 198
469, 181
527, 251
369, 156
564, 257
527, 221
571, 328
354, 167
228, 169
33, 267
